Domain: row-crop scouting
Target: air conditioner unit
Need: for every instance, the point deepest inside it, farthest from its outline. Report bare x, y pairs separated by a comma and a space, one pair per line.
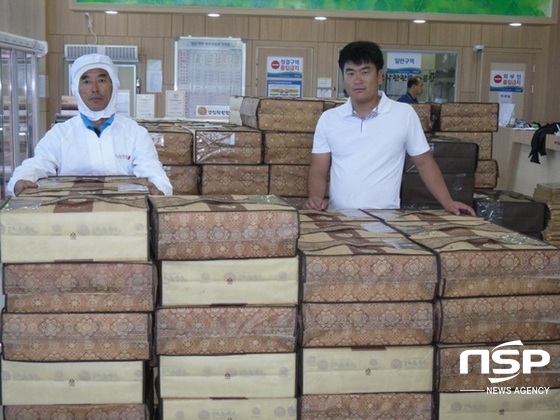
117, 53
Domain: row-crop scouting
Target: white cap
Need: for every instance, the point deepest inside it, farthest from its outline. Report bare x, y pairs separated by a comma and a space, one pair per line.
88, 62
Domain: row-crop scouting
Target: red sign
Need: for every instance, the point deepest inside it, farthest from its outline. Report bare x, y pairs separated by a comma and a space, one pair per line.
498, 78
275, 64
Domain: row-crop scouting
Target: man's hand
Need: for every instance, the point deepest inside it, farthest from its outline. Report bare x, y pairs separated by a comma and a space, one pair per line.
316, 203
23, 184
153, 189
457, 208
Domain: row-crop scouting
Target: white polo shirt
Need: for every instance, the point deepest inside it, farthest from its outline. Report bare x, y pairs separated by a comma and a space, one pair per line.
367, 154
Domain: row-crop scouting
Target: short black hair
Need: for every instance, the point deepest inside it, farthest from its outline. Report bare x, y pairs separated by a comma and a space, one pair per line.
413, 81
361, 52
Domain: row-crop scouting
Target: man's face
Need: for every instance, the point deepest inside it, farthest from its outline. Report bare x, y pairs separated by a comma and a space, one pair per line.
362, 81
419, 88
95, 89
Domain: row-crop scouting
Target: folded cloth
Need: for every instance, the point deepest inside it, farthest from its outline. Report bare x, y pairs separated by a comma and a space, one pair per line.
538, 142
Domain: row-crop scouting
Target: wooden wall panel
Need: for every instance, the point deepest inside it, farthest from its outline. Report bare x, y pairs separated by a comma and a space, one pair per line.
234, 26
117, 25
270, 29
144, 25
450, 34
525, 37
302, 29
345, 31
384, 33
490, 35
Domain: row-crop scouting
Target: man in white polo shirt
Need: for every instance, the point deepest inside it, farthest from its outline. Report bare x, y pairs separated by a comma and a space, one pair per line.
364, 143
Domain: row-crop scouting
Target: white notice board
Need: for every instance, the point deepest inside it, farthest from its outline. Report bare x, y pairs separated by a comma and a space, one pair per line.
210, 71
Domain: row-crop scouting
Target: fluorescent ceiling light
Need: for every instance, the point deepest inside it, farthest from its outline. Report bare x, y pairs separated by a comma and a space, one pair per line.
419, 21
213, 15
515, 24
320, 18
111, 12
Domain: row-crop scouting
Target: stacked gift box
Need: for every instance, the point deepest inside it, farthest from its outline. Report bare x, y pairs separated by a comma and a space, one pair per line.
367, 319
549, 193
499, 289
79, 286
226, 318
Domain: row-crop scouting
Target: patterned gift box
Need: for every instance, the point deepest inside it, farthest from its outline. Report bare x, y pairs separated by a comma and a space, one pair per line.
184, 179
425, 112
338, 216
367, 324
287, 148
79, 287
225, 330
52, 383
498, 319
254, 281
231, 409
469, 405
280, 114
174, 144
450, 379
363, 261
367, 406
288, 180
482, 138
358, 371
468, 116
234, 179
229, 144
265, 375
76, 337
78, 411
486, 175
89, 228
204, 227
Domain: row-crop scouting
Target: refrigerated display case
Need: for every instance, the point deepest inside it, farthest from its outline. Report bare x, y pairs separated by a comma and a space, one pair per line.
19, 118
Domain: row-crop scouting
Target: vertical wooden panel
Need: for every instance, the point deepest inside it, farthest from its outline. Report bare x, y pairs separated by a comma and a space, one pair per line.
300, 29
117, 25
418, 34
193, 26
345, 31
150, 25
523, 37
224, 26
450, 34
490, 35
379, 31
270, 29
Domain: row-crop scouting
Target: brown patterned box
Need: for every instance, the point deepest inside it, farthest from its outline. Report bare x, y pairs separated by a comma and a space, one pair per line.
252, 281
288, 180
368, 261
184, 179
174, 144
264, 375
482, 138
480, 405
89, 228
450, 379
235, 409
281, 114
234, 179
76, 337
54, 383
229, 144
287, 148
337, 216
425, 112
468, 116
498, 319
78, 411
486, 175
367, 324
205, 227
347, 370
79, 287
225, 330
365, 406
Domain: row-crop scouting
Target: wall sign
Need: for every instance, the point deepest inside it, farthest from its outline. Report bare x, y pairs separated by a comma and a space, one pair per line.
506, 81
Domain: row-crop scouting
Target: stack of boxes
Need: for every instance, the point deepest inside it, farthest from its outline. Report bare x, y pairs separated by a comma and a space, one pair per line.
77, 327
549, 193
226, 320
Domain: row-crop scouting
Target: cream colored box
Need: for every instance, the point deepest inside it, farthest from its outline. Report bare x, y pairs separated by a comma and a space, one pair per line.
231, 409
348, 370
254, 281
269, 375
32, 383
480, 405
90, 228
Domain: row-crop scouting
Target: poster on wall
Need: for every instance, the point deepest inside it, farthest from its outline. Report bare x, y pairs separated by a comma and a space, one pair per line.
284, 76
209, 71
400, 66
507, 81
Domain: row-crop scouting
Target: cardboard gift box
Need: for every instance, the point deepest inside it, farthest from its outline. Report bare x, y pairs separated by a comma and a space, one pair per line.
234, 179
205, 227
78, 411
225, 330
469, 405
358, 371
364, 406
288, 180
89, 228
174, 144
185, 180
266, 375
229, 144
498, 319
482, 138
281, 114
484, 368
79, 287
367, 324
361, 262
253, 281
232, 409
53, 383
467, 116
287, 148
76, 337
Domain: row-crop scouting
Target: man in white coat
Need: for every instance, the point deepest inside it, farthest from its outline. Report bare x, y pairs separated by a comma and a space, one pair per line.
98, 141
